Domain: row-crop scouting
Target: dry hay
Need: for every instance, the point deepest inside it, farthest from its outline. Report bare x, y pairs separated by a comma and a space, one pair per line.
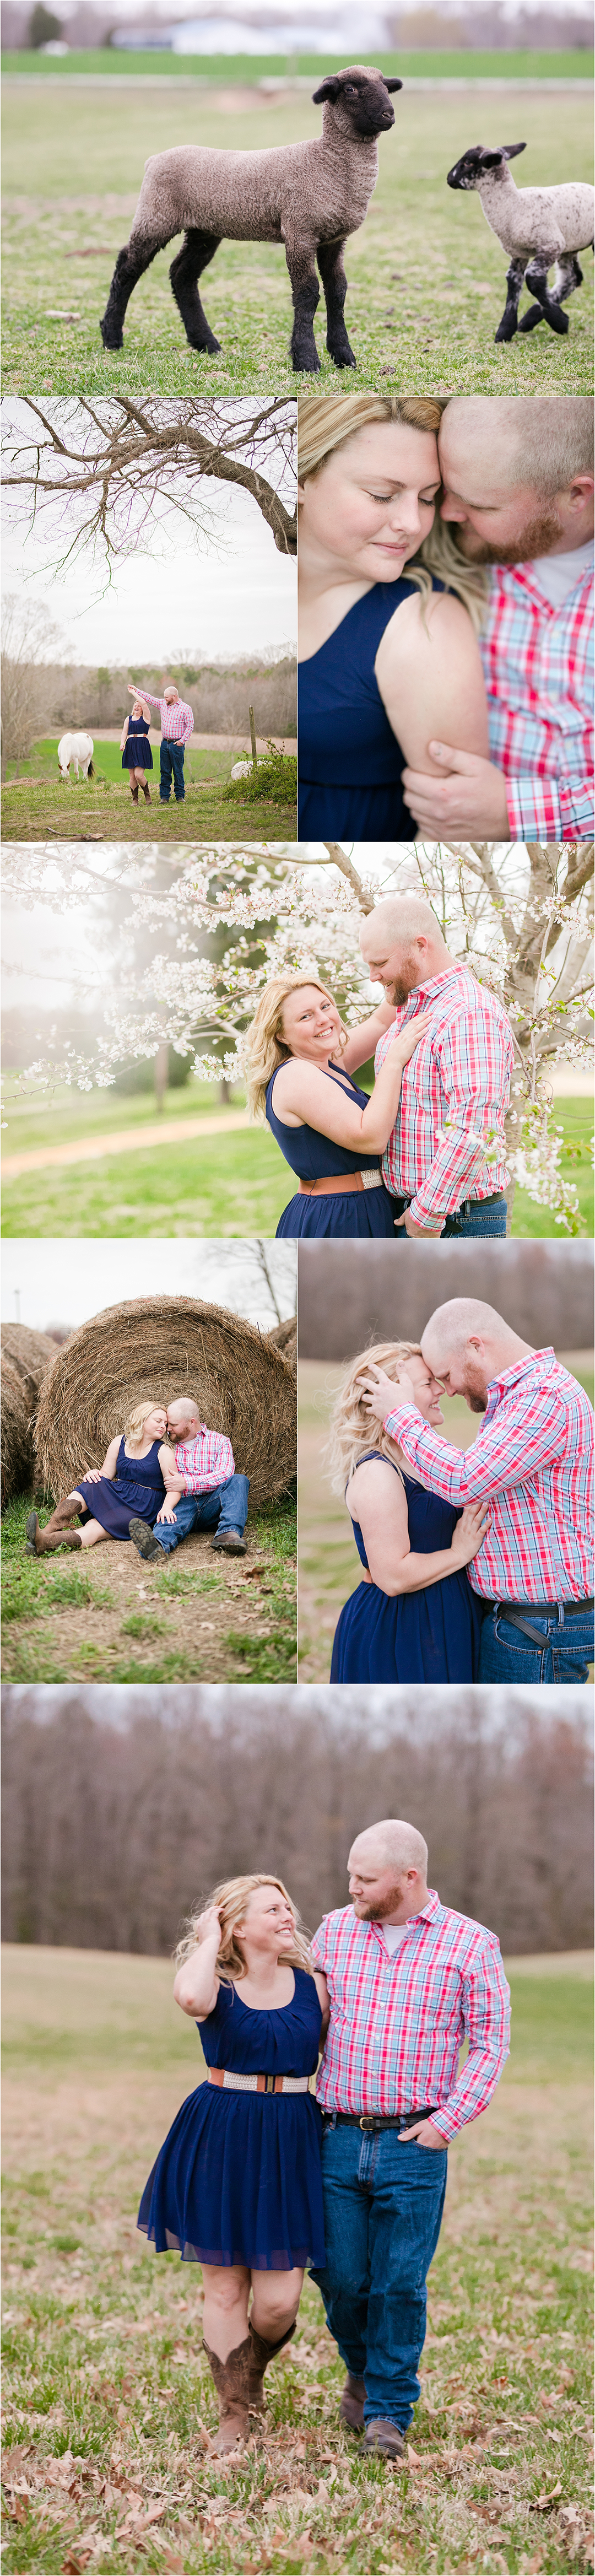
284, 1337
157, 1348
25, 1358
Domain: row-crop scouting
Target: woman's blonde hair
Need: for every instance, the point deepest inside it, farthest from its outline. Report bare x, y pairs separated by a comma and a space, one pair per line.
264, 1049
231, 1897
352, 1432
136, 1421
326, 421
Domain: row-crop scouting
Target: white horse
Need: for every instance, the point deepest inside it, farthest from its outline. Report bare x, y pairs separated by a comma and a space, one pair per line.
75, 748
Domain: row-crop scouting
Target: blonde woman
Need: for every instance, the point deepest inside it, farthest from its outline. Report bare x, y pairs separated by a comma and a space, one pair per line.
388, 660
414, 1617
237, 2185
130, 1483
137, 756
330, 1132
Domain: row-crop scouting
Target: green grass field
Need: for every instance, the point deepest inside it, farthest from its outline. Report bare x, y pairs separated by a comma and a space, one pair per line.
39, 804
108, 2403
250, 68
427, 277
233, 1185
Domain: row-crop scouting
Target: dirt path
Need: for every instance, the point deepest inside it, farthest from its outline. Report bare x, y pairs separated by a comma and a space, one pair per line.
91, 1149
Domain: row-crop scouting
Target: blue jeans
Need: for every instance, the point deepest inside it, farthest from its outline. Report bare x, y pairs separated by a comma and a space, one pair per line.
485, 1217
383, 2206
506, 1655
171, 765
226, 1508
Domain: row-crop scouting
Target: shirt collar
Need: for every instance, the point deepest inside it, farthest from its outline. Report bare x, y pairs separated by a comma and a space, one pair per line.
426, 1915
522, 573
521, 1368
434, 984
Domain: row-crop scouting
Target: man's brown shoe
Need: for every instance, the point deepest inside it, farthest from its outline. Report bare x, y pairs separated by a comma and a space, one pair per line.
148, 1547
351, 2410
385, 2438
230, 1544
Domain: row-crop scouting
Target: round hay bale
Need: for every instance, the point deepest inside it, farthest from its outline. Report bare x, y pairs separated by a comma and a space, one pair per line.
284, 1337
16, 1436
29, 1355
161, 1347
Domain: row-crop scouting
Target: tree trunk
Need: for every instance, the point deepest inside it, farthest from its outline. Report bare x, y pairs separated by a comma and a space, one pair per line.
161, 1072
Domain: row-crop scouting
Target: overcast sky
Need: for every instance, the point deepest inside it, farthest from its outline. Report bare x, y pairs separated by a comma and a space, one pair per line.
65, 1283
233, 595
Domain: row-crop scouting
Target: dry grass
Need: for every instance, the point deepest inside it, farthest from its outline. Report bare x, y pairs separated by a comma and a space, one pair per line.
110, 2408
157, 1347
25, 1356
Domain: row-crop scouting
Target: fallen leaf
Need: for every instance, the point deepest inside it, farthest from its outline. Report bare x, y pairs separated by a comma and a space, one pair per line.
544, 2502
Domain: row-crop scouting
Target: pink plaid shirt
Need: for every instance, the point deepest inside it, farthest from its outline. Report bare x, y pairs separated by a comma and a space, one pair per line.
447, 1143
177, 722
538, 671
205, 1462
533, 1457
398, 2020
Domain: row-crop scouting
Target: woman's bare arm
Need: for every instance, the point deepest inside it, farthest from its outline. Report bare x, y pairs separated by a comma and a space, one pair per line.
124, 732
377, 1501
196, 1986
304, 1096
324, 2001
362, 1042
431, 681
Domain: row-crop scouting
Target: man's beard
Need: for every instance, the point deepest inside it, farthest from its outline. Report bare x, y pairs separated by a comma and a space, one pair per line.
403, 985
378, 1913
475, 1399
537, 538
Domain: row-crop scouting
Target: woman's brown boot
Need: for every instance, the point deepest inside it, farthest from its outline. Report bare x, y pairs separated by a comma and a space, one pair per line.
232, 2382
41, 1542
262, 2354
146, 796
134, 795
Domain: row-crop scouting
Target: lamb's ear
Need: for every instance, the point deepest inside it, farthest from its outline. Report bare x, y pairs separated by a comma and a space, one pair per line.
510, 150
393, 84
490, 160
329, 88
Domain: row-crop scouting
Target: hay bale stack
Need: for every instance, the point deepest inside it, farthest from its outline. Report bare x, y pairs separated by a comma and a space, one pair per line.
25, 1358
161, 1347
284, 1337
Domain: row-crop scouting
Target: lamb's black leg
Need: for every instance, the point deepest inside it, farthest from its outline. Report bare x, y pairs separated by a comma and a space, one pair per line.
197, 249
548, 306
330, 262
130, 265
306, 295
514, 279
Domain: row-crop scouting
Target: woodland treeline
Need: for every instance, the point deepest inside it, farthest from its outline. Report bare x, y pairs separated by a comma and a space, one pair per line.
219, 694
122, 1809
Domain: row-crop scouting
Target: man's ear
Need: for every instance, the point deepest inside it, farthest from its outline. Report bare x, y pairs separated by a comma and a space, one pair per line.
329, 88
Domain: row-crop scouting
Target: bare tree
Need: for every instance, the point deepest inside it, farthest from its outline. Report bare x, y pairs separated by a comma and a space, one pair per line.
27, 703
104, 469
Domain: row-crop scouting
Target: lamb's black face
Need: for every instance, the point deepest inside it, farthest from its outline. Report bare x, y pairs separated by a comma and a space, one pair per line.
466, 172
364, 98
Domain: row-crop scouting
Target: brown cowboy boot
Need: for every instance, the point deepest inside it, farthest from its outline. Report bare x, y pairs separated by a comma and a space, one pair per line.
351, 2410
262, 2354
232, 2382
146, 795
41, 1542
134, 795
385, 2439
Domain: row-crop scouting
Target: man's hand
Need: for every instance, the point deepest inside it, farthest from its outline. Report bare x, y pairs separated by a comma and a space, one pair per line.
411, 1228
471, 799
381, 1395
426, 2134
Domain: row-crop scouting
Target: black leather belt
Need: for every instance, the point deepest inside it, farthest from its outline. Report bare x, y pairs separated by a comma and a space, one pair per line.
514, 1612
374, 2120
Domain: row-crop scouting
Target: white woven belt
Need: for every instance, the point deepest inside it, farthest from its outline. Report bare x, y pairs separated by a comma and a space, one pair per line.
228, 2083
371, 1180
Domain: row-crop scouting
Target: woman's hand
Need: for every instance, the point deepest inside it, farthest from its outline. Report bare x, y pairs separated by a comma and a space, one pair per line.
168, 1508
381, 1395
208, 1926
470, 1532
93, 1475
408, 1037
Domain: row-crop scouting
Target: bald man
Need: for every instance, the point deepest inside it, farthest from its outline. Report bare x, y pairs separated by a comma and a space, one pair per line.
445, 1160
518, 478
533, 1462
408, 1980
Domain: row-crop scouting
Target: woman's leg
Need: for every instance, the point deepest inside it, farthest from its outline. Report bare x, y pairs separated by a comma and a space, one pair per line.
275, 2302
92, 1533
57, 1532
225, 2317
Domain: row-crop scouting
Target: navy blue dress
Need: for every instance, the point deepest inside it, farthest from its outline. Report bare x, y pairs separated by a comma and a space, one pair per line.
137, 753
239, 2177
137, 1491
314, 1157
349, 762
428, 1636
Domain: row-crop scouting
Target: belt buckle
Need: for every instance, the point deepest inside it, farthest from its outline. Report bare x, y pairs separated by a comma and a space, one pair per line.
367, 2121
269, 2083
